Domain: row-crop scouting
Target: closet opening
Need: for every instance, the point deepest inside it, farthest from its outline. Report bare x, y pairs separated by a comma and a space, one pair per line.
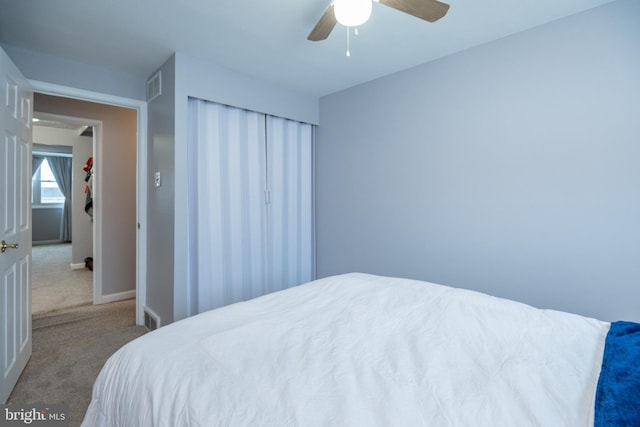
250, 204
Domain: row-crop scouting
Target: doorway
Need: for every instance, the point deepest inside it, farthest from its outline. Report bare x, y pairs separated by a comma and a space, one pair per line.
117, 200
62, 232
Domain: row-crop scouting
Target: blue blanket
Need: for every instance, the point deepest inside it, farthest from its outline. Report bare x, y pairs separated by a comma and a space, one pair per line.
618, 392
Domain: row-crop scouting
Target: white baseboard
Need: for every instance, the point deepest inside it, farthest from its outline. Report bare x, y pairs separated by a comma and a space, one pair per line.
45, 242
117, 297
79, 266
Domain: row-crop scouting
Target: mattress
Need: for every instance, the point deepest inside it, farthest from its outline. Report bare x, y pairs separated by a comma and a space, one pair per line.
358, 350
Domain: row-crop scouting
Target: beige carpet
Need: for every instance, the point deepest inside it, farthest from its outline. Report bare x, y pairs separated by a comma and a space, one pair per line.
54, 285
69, 349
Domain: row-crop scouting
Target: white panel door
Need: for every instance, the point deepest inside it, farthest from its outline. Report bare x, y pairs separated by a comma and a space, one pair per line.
16, 99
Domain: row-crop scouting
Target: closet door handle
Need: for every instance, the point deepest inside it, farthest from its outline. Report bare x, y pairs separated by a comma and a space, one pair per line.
4, 246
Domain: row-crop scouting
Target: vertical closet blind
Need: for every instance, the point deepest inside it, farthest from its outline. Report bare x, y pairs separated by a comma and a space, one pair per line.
250, 204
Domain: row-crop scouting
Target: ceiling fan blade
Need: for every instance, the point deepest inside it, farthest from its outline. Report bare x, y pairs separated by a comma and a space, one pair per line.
324, 26
429, 10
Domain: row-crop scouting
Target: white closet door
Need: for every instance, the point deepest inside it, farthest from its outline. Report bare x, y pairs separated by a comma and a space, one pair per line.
290, 253
227, 205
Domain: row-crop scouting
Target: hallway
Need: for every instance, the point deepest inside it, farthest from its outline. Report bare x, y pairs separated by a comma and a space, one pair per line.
54, 285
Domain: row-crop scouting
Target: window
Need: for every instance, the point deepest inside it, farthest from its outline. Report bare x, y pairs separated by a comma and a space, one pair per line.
45, 187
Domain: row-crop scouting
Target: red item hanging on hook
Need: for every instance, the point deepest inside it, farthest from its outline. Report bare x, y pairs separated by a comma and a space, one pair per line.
88, 165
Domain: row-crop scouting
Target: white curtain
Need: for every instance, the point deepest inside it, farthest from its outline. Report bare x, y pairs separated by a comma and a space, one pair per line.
291, 225
240, 245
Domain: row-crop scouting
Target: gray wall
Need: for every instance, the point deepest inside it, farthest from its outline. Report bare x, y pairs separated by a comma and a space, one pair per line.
65, 72
118, 175
160, 200
46, 225
184, 77
81, 225
510, 168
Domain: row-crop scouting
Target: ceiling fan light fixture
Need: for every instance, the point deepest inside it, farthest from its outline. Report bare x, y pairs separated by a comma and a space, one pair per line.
352, 13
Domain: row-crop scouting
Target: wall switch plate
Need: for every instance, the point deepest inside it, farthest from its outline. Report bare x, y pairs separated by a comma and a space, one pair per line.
156, 179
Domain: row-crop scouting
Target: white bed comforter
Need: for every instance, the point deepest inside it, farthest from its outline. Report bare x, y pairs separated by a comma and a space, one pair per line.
358, 350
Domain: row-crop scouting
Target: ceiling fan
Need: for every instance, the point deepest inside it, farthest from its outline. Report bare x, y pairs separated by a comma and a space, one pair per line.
352, 13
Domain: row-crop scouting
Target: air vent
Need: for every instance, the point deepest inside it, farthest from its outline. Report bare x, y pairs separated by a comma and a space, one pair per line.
154, 86
150, 320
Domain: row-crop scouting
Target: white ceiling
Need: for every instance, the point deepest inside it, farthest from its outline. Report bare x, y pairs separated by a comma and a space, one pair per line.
264, 39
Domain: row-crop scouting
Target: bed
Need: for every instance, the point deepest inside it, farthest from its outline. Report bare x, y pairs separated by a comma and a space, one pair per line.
364, 350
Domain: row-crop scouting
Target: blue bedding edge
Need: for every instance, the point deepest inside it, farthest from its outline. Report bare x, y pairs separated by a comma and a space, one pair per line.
617, 400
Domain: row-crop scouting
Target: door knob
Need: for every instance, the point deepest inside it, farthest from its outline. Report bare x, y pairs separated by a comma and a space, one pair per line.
4, 246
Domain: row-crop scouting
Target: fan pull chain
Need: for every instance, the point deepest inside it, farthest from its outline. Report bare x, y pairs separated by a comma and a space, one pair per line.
355, 33
348, 50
